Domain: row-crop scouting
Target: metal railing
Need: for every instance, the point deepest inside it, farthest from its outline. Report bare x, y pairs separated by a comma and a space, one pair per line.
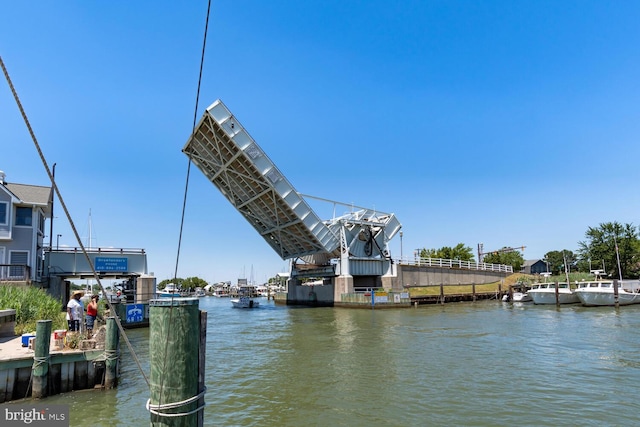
68, 249
14, 273
454, 263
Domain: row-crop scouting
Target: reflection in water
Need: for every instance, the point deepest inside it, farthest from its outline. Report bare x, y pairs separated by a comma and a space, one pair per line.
481, 364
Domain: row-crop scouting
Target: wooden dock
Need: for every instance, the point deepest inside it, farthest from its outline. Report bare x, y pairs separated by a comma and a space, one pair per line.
68, 369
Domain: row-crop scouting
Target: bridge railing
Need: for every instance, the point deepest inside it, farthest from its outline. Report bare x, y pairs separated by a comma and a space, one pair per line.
454, 263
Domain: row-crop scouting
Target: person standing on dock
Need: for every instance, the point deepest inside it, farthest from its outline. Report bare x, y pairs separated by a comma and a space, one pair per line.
74, 311
92, 313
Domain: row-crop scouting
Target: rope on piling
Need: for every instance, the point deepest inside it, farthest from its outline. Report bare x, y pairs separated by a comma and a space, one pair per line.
37, 361
155, 408
110, 355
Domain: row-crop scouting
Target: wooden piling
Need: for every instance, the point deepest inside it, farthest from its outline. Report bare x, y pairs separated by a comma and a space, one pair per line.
615, 293
40, 368
174, 341
202, 365
442, 293
111, 354
473, 291
557, 294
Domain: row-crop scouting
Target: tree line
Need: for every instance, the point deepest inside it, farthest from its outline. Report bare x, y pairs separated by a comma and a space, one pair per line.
611, 247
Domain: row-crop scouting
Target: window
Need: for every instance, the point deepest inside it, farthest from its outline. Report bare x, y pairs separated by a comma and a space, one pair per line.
23, 216
19, 261
41, 219
3, 213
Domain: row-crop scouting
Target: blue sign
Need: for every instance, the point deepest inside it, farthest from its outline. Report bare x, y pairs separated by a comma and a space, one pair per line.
135, 313
111, 264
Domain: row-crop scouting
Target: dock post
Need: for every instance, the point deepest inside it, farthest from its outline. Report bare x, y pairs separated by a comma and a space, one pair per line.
473, 290
41, 359
557, 294
202, 364
174, 342
616, 296
111, 354
441, 293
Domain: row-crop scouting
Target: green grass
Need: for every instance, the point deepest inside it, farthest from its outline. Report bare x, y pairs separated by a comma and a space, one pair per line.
31, 304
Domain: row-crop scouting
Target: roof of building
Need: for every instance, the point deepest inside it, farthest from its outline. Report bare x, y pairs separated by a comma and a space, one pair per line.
31, 194
530, 262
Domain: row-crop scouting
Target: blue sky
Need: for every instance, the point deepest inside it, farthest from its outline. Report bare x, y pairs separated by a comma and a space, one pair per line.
511, 123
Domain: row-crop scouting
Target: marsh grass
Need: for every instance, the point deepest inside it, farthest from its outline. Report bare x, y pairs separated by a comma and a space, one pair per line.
31, 304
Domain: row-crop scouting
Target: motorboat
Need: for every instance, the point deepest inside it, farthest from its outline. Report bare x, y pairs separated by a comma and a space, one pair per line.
521, 297
199, 292
518, 293
602, 292
545, 293
245, 302
221, 292
169, 291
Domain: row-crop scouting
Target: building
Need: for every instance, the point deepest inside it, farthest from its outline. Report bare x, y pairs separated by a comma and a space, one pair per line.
534, 266
23, 212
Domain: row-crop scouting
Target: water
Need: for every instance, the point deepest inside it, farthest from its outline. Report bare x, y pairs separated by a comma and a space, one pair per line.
472, 364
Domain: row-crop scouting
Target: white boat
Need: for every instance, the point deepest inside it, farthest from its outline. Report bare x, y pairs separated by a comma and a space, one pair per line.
221, 292
521, 297
545, 293
169, 291
602, 292
199, 292
244, 302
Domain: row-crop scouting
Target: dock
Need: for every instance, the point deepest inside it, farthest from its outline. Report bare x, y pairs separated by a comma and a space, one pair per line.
68, 369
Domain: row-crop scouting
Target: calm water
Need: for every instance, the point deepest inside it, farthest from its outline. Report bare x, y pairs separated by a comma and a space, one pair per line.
472, 364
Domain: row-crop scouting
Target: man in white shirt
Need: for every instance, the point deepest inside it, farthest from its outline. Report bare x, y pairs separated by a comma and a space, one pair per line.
75, 310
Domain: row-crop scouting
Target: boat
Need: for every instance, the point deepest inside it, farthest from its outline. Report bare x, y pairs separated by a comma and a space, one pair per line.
518, 293
169, 291
199, 292
602, 292
221, 292
521, 297
545, 293
245, 298
244, 302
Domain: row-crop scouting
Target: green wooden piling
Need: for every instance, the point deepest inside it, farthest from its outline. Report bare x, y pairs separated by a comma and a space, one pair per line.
111, 354
41, 359
202, 359
174, 340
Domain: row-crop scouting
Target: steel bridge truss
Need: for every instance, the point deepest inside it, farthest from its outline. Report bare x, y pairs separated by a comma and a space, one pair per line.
229, 157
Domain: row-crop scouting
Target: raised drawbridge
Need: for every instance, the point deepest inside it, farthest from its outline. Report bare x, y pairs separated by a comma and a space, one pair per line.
350, 251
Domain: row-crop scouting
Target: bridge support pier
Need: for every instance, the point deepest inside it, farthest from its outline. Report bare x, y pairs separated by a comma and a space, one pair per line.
344, 285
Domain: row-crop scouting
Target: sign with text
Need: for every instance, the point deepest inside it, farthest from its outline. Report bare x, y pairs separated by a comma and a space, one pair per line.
111, 264
381, 297
34, 415
135, 313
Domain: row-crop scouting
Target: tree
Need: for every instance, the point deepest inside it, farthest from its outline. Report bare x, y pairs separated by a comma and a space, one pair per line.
556, 261
505, 256
609, 242
460, 252
191, 283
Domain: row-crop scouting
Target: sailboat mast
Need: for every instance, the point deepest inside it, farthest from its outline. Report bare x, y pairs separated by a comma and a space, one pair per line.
89, 243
